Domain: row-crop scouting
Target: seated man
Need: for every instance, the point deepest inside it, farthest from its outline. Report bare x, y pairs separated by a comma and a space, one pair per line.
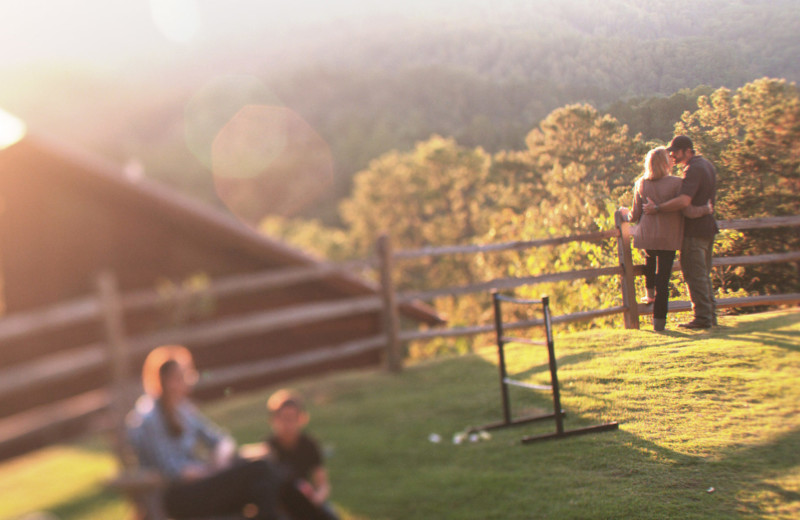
297, 454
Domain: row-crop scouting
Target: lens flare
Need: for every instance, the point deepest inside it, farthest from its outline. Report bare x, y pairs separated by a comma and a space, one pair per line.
268, 161
12, 129
213, 105
178, 20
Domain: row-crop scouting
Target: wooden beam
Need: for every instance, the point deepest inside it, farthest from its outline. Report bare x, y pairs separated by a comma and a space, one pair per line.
750, 301
627, 278
414, 335
256, 323
759, 223
241, 284
737, 224
772, 258
674, 306
510, 283
393, 358
51, 369
43, 419
505, 246
229, 375
719, 261
118, 353
23, 324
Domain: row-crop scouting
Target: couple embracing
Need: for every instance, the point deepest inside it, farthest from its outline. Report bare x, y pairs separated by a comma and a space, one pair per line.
675, 213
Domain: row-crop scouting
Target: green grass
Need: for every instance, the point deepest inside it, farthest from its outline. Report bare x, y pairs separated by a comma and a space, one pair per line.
709, 429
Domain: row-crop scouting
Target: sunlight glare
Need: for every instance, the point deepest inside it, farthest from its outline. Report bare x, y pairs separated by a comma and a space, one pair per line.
178, 20
269, 161
12, 129
213, 105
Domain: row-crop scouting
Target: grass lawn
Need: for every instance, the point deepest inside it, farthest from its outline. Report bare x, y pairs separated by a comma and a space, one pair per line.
709, 428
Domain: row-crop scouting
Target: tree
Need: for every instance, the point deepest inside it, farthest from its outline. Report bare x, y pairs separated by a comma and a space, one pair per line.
439, 193
578, 166
753, 137
599, 143
654, 117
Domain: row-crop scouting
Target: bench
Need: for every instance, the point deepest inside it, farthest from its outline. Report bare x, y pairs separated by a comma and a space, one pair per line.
144, 487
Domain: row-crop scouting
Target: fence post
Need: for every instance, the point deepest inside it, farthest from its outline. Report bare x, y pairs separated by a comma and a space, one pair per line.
631, 315
391, 320
114, 328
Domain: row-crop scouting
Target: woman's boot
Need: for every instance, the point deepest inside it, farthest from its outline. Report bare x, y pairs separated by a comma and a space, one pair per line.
659, 323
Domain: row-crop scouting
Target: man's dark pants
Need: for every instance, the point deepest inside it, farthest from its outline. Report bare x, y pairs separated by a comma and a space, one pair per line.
696, 253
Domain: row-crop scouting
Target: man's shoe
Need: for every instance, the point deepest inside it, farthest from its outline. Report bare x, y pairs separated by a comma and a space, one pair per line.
695, 324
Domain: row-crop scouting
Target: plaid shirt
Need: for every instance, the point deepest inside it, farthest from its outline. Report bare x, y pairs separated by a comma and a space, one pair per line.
158, 449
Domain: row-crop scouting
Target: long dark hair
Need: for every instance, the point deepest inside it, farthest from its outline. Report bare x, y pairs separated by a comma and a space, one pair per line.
173, 422
158, 364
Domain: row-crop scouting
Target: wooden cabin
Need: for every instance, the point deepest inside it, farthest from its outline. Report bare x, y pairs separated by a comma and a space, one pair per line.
65, 216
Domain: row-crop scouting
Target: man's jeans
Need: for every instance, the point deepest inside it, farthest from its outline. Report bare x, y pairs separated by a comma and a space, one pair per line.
696, 266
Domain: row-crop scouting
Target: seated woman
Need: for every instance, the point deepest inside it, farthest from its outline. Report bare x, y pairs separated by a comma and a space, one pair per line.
169, 435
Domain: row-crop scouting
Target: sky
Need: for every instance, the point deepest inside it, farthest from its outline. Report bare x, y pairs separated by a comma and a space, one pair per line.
132, 38
107, 41
116, 37
108, 32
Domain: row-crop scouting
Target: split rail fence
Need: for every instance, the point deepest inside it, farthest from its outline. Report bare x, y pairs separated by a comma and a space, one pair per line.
108, 307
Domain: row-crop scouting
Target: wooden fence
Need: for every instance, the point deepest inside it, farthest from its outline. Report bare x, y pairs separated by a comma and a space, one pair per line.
625, 269
109, 308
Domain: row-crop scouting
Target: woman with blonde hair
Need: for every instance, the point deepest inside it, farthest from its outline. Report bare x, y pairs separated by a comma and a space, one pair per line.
169, 435
659, 234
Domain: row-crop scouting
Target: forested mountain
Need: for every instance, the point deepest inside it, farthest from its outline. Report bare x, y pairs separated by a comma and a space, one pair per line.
455, 121
576, 168
369, 82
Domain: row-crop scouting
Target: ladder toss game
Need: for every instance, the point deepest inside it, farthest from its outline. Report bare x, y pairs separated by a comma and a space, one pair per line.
506, 381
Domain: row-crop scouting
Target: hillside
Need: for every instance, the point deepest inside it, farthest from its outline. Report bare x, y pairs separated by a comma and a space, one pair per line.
373, 80
709, 428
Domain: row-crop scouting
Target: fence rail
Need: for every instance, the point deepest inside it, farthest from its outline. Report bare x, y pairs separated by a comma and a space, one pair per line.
502, 284
109, 308
520, 245
631, 309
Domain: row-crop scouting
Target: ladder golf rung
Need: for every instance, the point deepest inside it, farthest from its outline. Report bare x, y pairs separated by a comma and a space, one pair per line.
510, 339
514, 382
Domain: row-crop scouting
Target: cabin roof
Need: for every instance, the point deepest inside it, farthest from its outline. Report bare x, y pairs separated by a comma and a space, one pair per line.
202, 222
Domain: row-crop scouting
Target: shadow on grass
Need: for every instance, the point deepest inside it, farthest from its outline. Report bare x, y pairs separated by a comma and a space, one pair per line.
780, 339
774, 459
730, 484
766, 331
614, 474
734, 482
767, 322
87, 505
569, 359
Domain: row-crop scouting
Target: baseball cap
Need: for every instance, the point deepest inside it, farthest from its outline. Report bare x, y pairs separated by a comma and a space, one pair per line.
680, 142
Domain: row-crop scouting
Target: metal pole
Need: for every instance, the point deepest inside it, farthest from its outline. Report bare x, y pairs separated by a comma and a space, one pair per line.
498, 326
548, 325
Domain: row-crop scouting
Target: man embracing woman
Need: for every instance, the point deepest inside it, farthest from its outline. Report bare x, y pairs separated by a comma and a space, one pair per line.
664, 207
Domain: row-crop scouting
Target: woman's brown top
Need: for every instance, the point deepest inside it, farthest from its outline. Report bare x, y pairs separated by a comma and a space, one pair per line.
660, 230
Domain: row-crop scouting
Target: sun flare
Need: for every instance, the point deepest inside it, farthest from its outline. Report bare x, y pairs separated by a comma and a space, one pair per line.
12, 129
178, 20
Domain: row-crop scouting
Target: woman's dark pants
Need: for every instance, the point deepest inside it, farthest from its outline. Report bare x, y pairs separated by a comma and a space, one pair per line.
226, 493
657, 272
